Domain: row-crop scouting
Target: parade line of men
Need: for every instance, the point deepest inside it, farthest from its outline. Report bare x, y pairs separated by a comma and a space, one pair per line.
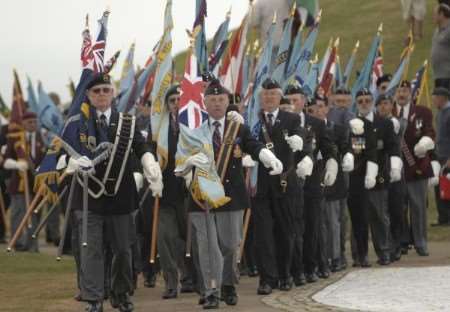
315, 158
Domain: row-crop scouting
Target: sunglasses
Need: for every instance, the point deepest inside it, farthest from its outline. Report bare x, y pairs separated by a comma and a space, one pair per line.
104, 90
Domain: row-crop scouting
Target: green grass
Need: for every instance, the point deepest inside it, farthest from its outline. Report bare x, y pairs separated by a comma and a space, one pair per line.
33, 282
353, 20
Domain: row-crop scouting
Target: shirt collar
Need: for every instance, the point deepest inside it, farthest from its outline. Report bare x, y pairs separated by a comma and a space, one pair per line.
274, 113
107, 114
221, 120
370, 116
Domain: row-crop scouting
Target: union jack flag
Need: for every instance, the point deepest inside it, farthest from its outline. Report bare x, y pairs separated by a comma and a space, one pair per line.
377, 70
192, 110
92, 54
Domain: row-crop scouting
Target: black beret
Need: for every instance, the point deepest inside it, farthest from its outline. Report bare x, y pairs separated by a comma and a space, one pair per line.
99, 79
441, 91
405, 84
363, 92
284, 101
208, 76
215, 88
174, 89
383, 97
270, 84
342, 90
294, 88
384, 78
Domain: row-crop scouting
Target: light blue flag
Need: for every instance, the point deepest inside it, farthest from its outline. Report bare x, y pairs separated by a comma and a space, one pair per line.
219, 45
363, 80
246, 64
200, 39
312, 80
398, 75
301, 62
32, 100
338, 72
49, 115
254, 107
282, 58
127, 100
349, 67
128, 73
296, 48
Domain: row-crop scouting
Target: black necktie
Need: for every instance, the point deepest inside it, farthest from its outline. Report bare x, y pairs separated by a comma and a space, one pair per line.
217, 139
269, 121
103, 128
401, 112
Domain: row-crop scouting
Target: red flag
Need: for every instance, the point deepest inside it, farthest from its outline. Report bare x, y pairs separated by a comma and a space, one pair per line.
330, 71
18, 105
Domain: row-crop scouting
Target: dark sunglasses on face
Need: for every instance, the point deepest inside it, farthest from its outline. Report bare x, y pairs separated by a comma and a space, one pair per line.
104, 90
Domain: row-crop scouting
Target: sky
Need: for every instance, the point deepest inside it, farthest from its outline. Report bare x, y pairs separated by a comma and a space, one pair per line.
42, 38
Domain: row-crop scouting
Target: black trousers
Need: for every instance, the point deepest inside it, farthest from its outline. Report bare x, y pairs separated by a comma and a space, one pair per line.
273, 218
313, 213
297, 267
396, 194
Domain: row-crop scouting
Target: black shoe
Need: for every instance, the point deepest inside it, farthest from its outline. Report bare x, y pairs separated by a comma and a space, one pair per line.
323, 274
77, 297
125, 304
150, 281
365, 263
335, 265
356, 263
186, 288
252, 271
404, 250
3, 240
201, 300
229, 295
211, 302
286, 284
264, 289
300, 280
384, 261
311, 277
440, 224
94, 306
396, 255
344, 264
422, 252
114, 300
170, 294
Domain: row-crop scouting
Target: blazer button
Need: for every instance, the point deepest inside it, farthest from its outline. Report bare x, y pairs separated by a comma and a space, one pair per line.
227, 181
233, 166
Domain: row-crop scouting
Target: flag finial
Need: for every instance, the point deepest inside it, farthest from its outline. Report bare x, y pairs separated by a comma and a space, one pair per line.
229, 13
380, 28
274, 20
294, 8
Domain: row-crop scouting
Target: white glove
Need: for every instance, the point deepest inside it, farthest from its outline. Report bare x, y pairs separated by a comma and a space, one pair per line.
331, 170
269, 160
152, 171
188, 179
348, 162
139, 180
12, 164
248, 162
62, 162
433, 181
305, 167
396, 168
424, 145
144, 134
235, 116
396, 125
371, 175
156, 187
357, 126
295, 142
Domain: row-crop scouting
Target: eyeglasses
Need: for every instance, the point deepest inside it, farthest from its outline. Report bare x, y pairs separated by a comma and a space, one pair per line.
104, 90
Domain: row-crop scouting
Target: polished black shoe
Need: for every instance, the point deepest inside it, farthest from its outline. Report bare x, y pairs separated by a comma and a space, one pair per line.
422, 252
323, 274
186, 288
300, 280
252, 271
125, 304
384, 261
94, 306
286, 284
211, 302
229, 295
201, 300
264, 289
404, 250
150, 281
170, 294
311, 277
440, 224
344, 263
396, 255
356, 264
335, 265
365, 263
114, 300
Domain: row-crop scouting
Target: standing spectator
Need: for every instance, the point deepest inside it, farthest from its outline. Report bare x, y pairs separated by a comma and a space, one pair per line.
441, 101
414, 13
440, 46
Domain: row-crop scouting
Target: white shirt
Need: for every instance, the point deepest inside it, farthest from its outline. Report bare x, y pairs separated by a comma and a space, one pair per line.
221, 128
107, 114
31, 139
302, 119
406, 109
369, 116
274, 115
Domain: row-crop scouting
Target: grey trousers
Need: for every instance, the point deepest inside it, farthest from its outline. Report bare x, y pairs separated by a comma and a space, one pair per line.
171, 247
378, 212
18, 210
416, 198
217, 247
116, 231
333, 221
343, 220
53, 223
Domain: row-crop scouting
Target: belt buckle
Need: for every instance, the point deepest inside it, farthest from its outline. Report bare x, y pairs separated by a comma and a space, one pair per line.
283, 184
269, 145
